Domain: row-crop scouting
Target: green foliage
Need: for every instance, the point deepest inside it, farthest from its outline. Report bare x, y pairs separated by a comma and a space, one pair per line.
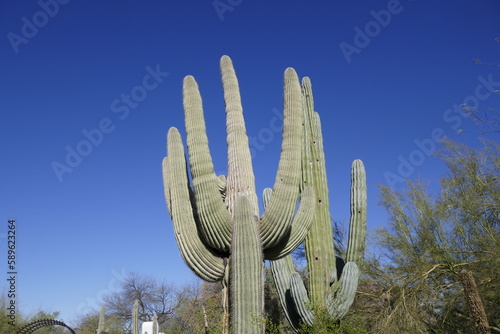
200, 310
89, 323
430, 239
7, 325
325, 323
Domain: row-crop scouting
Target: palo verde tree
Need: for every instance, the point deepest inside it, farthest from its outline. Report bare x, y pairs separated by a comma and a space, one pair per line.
442, 251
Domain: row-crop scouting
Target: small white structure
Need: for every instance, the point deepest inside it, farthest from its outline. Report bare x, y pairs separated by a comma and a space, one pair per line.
147, 327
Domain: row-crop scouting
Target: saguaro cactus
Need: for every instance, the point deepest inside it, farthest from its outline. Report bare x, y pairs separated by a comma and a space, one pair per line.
332, 281
102, 320
216, 219
135, 317
155, 324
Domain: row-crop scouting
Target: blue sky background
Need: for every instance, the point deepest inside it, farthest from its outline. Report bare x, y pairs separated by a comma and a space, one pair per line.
80, 232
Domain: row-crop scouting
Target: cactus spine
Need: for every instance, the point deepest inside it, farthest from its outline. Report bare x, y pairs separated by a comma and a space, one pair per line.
331, 287
216, 219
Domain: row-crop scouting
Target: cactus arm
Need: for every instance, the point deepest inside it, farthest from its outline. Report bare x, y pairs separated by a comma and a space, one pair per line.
301, 300
343, 291
221, 182
357, 225
215, 221
166, 185
240, 177
277, 217
197, 256
281, 270
300, 226
247, 268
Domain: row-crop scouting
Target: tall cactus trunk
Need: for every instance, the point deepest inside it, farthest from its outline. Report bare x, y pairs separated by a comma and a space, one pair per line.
331, 287
102, 320
135, 317
320, 253
247, 271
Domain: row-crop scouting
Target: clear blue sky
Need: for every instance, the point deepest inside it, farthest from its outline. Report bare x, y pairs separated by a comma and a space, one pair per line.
385, 74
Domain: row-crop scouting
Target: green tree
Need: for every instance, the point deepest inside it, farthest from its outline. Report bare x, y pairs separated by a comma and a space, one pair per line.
199, 311
88, 324
440, 269
155, 297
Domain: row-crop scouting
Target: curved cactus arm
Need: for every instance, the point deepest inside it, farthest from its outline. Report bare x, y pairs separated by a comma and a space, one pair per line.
197, 256
214, 219
222, 186
301, 300
277, 218
247, 269
343, 291
266, 196
240, 177
300, 226
337, 271
281, 270
357, 225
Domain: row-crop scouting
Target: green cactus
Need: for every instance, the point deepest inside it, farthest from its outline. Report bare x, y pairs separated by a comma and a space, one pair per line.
247, 269
102, 320
332, 282
135, 317
216, 219
155, 324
